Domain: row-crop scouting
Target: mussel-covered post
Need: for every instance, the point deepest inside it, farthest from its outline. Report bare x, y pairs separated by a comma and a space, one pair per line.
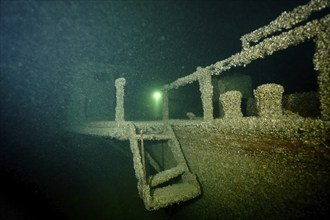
165, 104
120, 92
269, 100
231, 103
206, 89
322, 65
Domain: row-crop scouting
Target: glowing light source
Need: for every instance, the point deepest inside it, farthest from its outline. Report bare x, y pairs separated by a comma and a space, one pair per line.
157, 96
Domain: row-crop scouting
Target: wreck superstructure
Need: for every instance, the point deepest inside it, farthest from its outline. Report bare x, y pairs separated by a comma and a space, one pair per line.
233, 164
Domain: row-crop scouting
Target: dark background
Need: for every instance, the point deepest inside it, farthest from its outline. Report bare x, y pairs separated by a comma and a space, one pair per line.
159, 40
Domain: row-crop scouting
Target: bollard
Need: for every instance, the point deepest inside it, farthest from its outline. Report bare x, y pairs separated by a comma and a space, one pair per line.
231, 104
269, 100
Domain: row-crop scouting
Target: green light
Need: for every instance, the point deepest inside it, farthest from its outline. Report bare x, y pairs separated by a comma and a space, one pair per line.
156, 103
157, 96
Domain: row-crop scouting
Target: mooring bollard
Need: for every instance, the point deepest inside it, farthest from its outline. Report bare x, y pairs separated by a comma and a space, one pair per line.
269, 100
231, 104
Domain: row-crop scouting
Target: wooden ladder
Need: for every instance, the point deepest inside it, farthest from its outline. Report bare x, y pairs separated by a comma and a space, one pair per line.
166, 187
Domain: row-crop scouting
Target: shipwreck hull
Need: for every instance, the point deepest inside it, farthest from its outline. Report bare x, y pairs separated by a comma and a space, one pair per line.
247, 167
246, 175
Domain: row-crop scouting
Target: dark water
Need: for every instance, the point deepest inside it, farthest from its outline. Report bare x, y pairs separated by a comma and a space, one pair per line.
52, 174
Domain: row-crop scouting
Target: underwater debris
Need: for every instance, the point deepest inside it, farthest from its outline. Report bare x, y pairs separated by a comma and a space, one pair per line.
191, 116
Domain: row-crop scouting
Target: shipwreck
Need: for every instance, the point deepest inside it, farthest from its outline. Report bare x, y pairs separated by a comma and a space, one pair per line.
233, 164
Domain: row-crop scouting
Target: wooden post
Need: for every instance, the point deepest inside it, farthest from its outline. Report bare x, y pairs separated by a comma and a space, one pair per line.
206, 88
322, 66
165, 105
143, 157
120, 83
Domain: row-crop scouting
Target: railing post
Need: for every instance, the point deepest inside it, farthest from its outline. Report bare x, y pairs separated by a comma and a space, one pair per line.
120, 92
322, 66
206, 88
165, 104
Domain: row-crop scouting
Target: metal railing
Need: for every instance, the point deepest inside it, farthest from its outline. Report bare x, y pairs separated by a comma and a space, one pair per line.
317, 29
